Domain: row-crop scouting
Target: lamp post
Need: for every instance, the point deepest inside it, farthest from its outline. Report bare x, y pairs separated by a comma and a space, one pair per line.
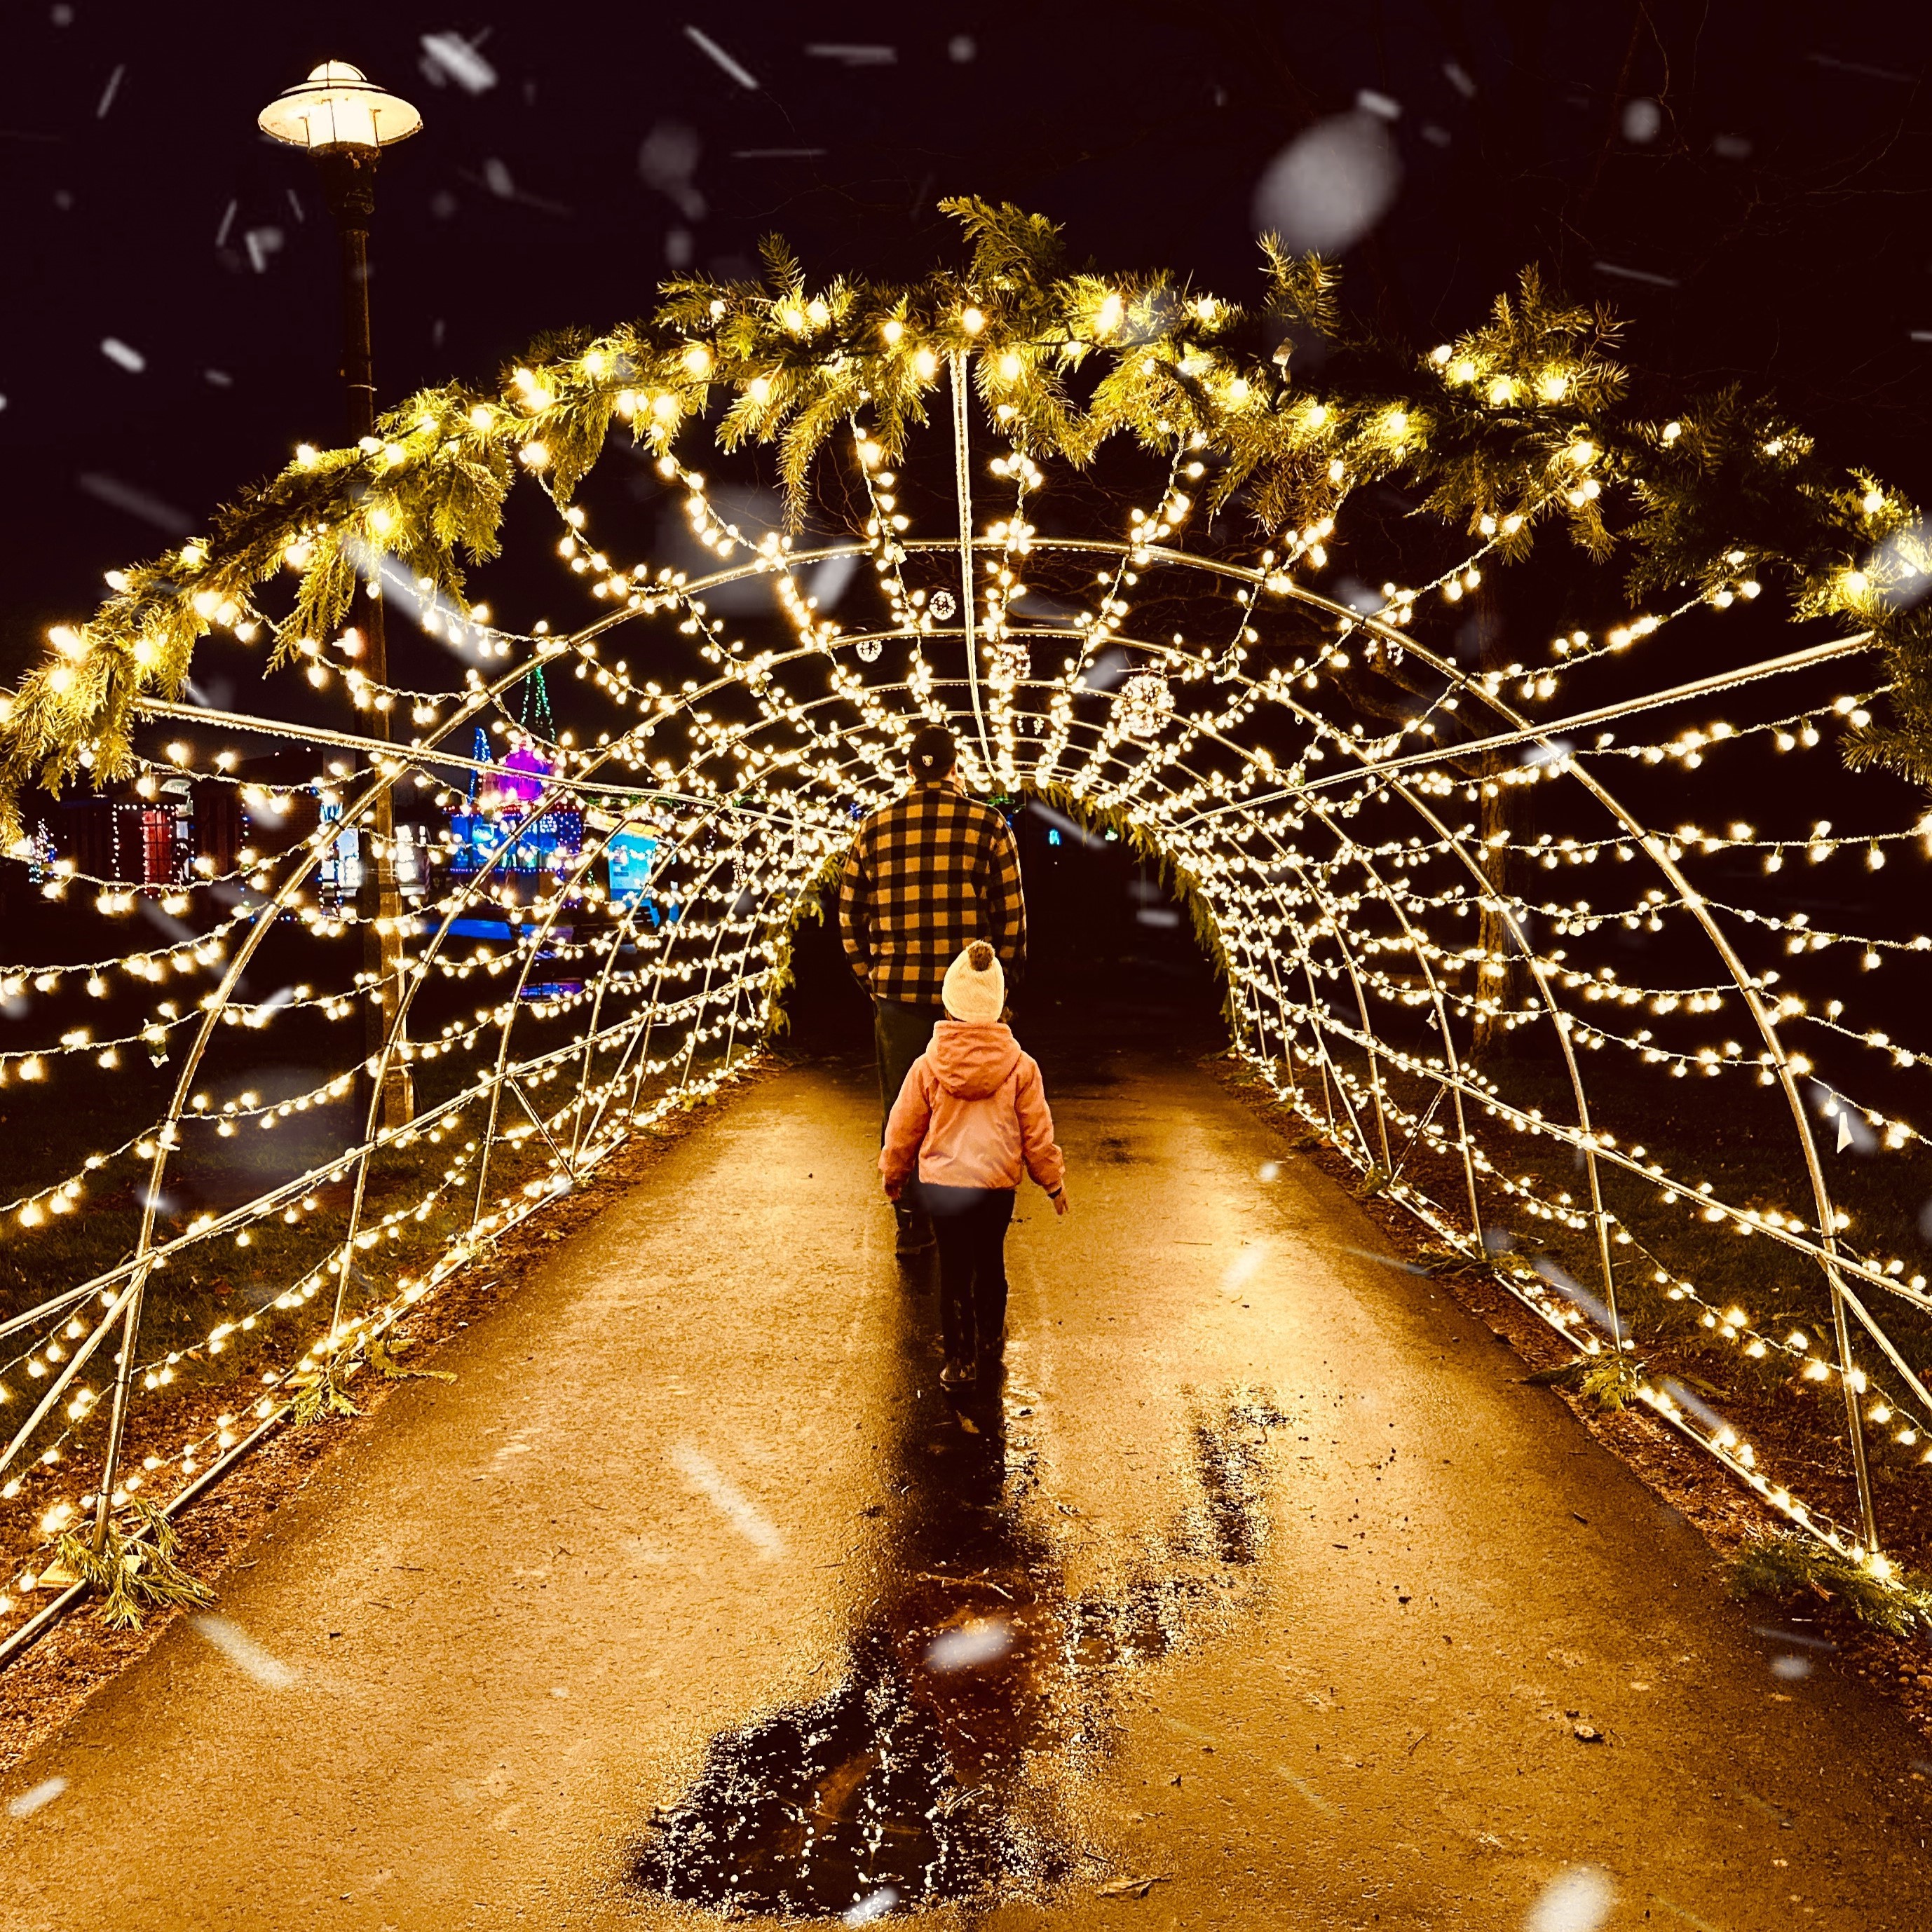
345, 124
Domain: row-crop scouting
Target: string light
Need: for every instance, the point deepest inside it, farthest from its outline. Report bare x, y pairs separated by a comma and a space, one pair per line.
1204, 702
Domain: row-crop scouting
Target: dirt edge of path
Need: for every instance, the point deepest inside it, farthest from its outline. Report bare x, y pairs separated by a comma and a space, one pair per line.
1723, 1511
42, 1690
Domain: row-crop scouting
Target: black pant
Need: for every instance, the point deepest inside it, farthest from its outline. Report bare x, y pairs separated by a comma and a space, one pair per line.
900, 1034
970, 1224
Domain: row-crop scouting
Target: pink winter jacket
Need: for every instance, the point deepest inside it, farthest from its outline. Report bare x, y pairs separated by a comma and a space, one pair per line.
972, 1113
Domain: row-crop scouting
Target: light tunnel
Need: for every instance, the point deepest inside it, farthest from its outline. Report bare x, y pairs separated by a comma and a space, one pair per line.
1394, 973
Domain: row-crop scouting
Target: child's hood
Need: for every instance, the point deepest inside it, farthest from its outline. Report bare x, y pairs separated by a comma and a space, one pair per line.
971, 1060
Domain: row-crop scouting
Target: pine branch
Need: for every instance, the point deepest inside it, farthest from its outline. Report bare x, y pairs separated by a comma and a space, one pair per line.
1784, 1566
132, 1574
383, 1360
321, 1397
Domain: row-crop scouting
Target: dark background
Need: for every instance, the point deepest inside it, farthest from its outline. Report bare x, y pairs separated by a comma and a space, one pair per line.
1775, 193
1746, 183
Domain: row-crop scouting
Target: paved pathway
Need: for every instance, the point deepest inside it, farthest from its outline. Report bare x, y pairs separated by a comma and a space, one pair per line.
1270, 1585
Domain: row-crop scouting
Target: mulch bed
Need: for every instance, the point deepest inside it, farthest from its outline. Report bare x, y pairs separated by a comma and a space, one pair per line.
41, 1689
1727, 1514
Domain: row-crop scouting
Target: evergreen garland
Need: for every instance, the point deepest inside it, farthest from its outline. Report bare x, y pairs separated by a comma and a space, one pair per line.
1782, 1566
1494, 425
323, 1395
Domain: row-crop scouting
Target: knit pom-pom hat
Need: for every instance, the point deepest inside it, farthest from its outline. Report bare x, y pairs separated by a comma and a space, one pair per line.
976, 986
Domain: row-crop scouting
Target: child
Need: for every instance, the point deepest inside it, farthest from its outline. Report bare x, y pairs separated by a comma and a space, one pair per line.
972, 1116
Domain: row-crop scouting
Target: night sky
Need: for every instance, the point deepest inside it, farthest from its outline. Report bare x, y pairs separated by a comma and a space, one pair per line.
1746, 181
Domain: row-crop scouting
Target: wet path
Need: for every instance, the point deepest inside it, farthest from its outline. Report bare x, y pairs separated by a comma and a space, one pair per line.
1265, 1581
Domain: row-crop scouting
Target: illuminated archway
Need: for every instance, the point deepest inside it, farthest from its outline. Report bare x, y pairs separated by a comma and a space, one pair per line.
1110, 633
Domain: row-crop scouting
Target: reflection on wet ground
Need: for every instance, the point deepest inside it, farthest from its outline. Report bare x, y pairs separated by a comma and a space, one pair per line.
976, 1689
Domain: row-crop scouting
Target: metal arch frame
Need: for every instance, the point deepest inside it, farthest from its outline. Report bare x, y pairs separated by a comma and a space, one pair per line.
1522, 729
147, 1252
1747, 990
1559, 1017
127, 1309
1261, 690
1585, 1140
1128, 792
1742, 979
1337, 922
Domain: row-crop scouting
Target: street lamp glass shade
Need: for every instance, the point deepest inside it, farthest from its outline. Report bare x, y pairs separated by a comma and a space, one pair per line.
337, 107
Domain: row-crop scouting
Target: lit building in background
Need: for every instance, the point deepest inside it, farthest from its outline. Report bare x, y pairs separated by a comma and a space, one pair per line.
498, 811
224, 825
129, 841
499, 808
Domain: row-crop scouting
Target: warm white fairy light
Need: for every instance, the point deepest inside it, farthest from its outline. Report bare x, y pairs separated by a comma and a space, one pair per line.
1212, 747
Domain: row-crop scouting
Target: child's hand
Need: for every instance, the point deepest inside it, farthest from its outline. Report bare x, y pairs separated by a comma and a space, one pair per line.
1059, 1203
894, 1188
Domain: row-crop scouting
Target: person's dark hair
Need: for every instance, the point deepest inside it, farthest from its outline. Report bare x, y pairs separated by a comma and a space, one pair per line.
932, 753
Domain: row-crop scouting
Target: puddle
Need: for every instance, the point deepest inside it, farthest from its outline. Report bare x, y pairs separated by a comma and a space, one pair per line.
899, 1778
975, 1688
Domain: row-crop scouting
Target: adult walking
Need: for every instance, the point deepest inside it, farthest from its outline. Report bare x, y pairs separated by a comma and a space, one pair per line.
928, 875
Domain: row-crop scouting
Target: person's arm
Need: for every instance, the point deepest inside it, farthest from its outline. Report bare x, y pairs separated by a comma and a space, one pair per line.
1006, 902
905, 1131
1044, 1160
855, 913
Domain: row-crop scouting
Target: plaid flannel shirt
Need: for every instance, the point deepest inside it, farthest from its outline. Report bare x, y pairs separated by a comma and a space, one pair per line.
927, 875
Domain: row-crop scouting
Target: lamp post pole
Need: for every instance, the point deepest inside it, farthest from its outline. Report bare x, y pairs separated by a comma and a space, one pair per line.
345, 124
348, 174
348, 184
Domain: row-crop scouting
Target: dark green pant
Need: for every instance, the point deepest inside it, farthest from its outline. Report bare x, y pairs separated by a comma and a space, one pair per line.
900, 1035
